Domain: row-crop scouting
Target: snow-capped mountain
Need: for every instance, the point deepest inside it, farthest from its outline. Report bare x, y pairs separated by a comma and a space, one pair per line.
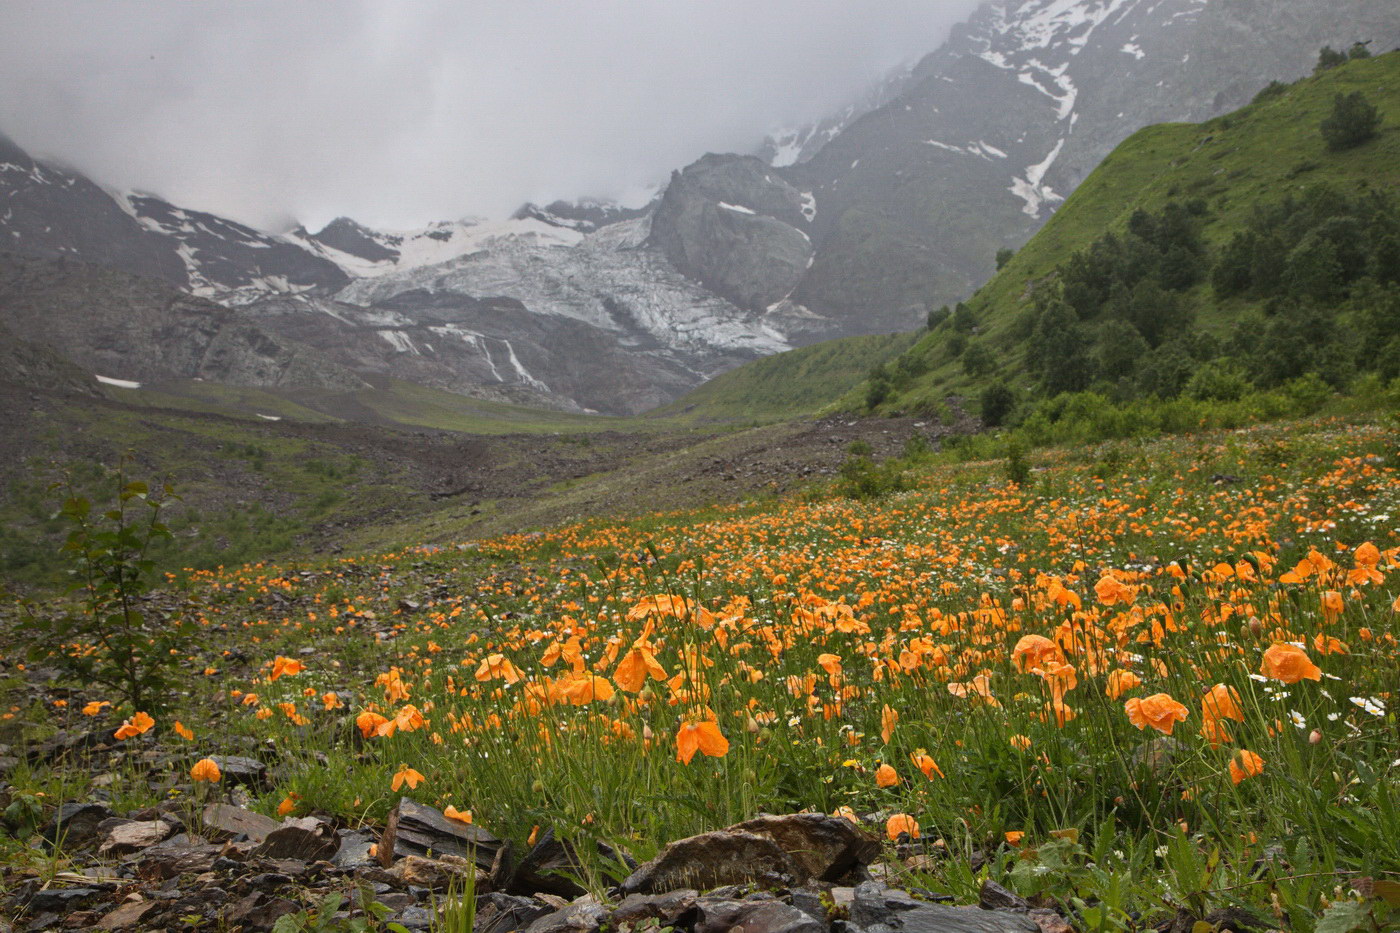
992, 131
854, 225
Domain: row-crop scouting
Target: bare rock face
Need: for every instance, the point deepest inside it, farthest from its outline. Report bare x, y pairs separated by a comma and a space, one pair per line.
733, 225
789, 849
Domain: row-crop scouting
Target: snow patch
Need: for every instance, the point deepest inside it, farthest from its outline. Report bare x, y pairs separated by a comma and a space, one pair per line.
119, 383
399, 341
1134, 50
809, 206
736, 208
1031, 188
269, 417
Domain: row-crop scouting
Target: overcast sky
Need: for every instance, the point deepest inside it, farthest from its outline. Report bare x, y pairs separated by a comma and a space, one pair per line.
398, 112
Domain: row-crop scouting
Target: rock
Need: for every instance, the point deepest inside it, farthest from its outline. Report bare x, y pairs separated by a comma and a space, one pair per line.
134, 836
436, 874
810, 900
552, 865
877, 907
710, 860
127, 916
413, 918
309, 838
581, 917
1051, 922
354, 850
753, 916
161, 862
257, 911
62, 899
790, 849
239, 770
416, 829
224, 820
994, 897
502, 913
75, 824
667, 908
826, 848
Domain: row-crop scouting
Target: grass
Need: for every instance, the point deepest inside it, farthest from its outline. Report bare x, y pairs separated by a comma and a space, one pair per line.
789, 384
845, 648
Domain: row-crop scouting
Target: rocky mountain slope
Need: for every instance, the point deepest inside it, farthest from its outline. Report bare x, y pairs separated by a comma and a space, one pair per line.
998, 126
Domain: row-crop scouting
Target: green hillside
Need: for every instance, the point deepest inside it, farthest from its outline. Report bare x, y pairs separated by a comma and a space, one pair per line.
1198, 261
789, 384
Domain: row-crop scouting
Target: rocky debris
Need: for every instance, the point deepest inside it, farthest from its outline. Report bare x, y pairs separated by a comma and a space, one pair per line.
436, 874
552, 867
161, 862
308, 838
635, 909
502, 913
355, 850
777, 850
583, 916
127, 916
756, 914
995, 897
417, 829
879, 909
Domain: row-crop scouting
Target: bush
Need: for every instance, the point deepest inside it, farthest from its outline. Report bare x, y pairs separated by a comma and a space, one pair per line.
108, 549
1328, 58
1353, 121
862, 478
1003, 257
1018, 468
997, 402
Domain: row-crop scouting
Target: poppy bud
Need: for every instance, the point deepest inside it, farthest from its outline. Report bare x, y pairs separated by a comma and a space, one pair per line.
1255, 626
1314, 737
537, 787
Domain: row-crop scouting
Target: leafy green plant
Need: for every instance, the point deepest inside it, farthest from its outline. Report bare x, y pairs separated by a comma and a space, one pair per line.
107, 637
322, 918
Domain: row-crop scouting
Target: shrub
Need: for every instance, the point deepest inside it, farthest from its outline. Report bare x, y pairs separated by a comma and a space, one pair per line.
1018, 468
997, 402
108, 550
1004, 256
862, 478
1353, 121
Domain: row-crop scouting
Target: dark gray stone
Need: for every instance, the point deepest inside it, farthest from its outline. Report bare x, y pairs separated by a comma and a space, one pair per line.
501, 913
878, 908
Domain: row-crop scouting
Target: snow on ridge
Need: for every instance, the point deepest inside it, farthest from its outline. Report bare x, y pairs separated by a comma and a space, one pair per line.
1031, 189
736, 208
119, 383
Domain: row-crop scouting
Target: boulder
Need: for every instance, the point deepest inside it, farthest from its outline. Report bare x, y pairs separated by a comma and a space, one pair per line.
502, 913
309, 838
134, 836
878, 909
75, 824
753, 916
585, 916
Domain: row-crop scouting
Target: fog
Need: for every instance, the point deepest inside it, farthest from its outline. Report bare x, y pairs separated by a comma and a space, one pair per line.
399, 113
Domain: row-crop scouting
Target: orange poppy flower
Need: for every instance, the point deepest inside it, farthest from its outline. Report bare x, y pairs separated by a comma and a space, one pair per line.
206, 770
888, 719
925, 763
406, 775
885, 776
831, 663
1289, 663
461, 816
95, 707
497, 667
1032, 651
1120, 682
1222, 702
285, 667
703, 737
1159, 711
183, 731
369, 723
901, 823
1245, 764
635, 666
136, 725
1013, 837
288, 804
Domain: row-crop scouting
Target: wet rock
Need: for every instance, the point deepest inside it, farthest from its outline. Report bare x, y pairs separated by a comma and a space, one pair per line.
825, 848
257, 911
994, 897
354, 851
710, 860
127, 916
753, 916
879, 908
75, 824
134, 836
501, 913
582, 917
638, 908
551, 866
239, 770
413, 918
308, 838
416, 829
161, 862
61, 899
222, 820
435, 874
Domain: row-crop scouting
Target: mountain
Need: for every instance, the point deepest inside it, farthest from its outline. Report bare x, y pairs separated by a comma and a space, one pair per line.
1198, 261
988, 135
125, 328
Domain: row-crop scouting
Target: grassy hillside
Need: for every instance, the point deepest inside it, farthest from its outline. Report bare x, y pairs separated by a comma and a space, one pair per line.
1213, 179
788, 384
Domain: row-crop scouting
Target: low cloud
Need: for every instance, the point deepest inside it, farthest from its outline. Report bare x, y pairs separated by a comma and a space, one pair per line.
399, 113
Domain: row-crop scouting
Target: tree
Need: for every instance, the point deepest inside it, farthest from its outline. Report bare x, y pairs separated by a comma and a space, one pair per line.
1353, 121
963, 321
937, 316
997, 402
1359, 51
1328, 58
977, 360
1004, 256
